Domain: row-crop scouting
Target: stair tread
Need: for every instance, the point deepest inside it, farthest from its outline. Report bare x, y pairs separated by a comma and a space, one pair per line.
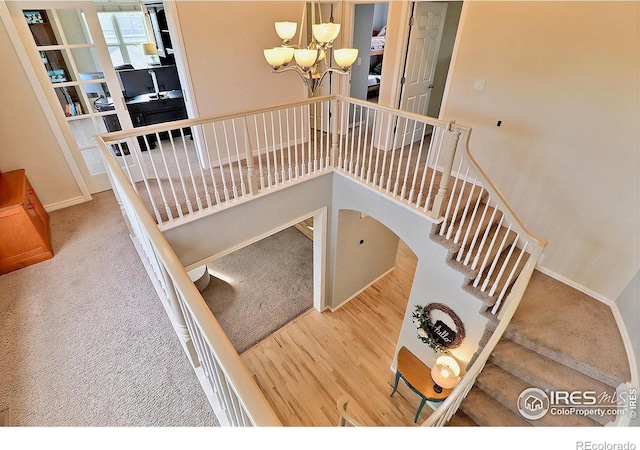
506, 388
460, 419
486, 411
468, 236
486, 296
567, 332
544, 373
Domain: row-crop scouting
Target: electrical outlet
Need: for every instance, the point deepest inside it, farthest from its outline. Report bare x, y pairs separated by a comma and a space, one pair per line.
479, 85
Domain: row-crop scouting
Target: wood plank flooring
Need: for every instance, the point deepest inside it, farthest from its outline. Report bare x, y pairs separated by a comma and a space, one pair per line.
305, 366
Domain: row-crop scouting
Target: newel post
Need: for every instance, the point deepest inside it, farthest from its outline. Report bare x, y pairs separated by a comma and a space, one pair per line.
333, 117
252, 175
440, 199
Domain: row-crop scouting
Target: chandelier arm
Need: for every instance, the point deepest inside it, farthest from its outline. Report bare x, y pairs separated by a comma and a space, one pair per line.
304, 14
296, 69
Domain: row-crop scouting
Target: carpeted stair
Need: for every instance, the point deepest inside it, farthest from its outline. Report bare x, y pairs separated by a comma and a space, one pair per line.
558, 339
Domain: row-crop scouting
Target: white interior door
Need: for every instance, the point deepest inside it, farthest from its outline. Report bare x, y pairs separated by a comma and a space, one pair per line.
425, 36
67, 50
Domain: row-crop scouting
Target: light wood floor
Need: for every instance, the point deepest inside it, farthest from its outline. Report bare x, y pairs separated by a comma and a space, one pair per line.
305, 366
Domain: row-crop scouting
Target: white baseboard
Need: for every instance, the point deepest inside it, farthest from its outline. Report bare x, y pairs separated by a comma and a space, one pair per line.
65, 204
334, 309
577, 286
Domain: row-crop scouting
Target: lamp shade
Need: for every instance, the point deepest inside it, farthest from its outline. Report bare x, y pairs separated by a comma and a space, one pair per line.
287, 53
274, 56
345, 57
286, 30
326, 32
149, 49
305, 58
446, 372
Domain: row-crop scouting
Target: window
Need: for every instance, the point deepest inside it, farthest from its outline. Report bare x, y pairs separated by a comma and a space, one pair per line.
125, 32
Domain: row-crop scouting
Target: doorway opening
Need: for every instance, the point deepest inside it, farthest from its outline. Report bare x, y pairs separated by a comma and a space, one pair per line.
370, 26
140, 47
431, 39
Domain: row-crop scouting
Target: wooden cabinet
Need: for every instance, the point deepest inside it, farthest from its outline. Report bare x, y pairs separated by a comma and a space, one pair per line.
25, 237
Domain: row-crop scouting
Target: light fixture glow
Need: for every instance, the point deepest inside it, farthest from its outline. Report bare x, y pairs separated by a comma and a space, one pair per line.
305, 58
326, 32
446, 372
274, 56
286, 30
313, 62
345, 57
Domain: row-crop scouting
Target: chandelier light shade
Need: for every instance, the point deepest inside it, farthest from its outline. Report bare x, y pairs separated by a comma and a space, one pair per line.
325, 33
345, 57
313, 62
286, 30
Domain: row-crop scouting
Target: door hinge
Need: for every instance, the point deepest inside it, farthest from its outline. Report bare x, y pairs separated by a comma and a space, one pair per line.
411, 21
403, 80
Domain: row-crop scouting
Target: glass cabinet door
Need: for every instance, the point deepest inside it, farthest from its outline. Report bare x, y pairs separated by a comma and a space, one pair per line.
73, 54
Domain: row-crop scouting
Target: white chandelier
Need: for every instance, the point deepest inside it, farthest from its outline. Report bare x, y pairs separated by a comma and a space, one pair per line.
312, 63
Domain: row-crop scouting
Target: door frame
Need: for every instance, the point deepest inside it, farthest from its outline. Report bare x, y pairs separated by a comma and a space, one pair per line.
87, 181
396, 49
61, 131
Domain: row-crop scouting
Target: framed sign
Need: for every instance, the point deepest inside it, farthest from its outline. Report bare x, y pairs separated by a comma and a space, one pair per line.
439, 336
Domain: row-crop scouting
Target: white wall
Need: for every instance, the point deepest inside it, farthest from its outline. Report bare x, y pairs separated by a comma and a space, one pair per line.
629, 306
437, 283
224, 44
363, 27
365, 251
563, 79
444, 57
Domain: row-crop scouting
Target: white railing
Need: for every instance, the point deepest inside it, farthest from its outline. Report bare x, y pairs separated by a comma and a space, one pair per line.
219, 160
234, 395
450, 405
398, 153
425, 163
214, 162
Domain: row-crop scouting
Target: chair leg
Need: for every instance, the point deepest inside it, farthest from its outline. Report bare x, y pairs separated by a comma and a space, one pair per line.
395, 386
422, 403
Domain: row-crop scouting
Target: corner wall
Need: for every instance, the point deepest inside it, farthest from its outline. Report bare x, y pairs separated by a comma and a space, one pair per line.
437, 282
563, 77
629, 306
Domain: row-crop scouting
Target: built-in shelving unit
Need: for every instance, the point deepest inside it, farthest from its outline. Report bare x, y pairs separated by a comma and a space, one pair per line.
158, 17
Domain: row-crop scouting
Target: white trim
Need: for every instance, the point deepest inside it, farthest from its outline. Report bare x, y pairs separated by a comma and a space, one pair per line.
576, 286
65, 204
628, 345
199, 370
182, 63
454, 59
47, 110
334, 309
319, 259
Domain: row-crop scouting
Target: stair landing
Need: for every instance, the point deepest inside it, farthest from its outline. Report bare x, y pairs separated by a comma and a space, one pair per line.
572, 328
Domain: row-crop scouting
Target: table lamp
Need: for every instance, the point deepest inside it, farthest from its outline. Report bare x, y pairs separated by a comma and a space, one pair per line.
150, 49
445, 373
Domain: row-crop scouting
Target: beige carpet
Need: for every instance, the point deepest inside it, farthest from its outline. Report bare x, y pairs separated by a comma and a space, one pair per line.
84, 340
258, 289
